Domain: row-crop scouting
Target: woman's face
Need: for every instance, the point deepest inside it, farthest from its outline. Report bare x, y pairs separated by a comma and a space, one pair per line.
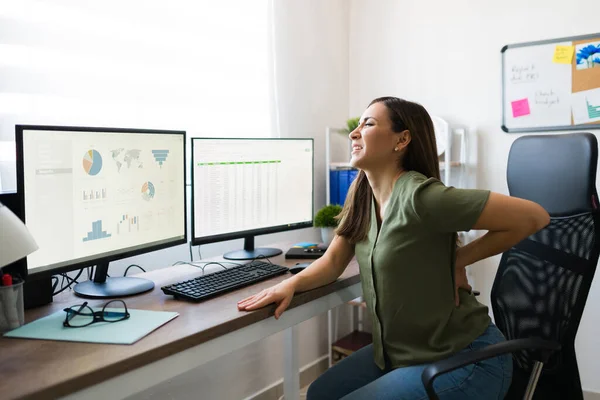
374, 141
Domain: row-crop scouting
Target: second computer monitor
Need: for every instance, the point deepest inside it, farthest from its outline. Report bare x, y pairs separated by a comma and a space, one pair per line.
247, 187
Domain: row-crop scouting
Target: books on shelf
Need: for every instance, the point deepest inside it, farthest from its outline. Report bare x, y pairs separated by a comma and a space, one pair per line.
339, 182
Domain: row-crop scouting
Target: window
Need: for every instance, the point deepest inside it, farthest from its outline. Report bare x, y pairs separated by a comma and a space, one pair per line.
200, 66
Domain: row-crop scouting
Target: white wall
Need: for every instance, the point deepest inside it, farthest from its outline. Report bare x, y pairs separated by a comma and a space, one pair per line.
446, 55
311, 54
311, 83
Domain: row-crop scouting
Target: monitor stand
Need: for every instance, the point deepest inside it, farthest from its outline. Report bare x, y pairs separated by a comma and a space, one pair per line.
250, 253
105, 287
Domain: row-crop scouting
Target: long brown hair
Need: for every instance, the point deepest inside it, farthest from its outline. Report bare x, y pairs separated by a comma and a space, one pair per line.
420, 155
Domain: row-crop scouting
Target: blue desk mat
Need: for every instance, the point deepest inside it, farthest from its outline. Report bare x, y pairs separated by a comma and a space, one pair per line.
129, 331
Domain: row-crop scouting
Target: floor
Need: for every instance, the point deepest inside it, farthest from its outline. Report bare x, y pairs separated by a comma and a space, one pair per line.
302, 393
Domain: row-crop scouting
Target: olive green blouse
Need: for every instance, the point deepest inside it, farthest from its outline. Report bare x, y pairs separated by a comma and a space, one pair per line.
407, 273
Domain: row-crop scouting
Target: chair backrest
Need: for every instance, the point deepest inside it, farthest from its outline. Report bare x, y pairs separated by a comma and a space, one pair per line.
542, 283
556, 171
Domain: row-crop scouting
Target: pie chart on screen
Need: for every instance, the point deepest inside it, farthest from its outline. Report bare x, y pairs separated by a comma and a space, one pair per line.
92, 162
148, 191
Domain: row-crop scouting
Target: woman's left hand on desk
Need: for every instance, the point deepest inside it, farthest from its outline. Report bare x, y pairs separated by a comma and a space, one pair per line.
281, 294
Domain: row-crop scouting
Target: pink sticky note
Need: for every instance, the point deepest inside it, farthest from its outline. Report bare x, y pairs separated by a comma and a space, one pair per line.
520, 108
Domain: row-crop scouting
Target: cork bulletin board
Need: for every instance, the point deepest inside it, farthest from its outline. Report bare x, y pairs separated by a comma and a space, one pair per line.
551, 85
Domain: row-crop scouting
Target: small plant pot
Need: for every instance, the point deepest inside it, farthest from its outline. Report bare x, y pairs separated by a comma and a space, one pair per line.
327, 235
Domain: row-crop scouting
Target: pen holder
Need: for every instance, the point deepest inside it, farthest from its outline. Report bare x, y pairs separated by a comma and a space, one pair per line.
12, 313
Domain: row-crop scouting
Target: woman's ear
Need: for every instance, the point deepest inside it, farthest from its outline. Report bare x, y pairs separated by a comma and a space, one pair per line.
403, 140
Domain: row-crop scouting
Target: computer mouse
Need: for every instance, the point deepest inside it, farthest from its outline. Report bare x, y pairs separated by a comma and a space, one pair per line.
299, 267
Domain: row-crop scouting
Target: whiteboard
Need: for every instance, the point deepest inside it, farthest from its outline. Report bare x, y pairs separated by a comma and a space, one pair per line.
549, 85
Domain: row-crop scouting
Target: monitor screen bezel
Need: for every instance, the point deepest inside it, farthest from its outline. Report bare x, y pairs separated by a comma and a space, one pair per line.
45, 271
196, 241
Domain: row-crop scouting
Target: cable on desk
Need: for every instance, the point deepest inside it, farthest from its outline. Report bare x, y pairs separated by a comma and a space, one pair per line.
220, 262
261, 257
69, 280
207, 264
231, 262
192, 254
132, 265
55, 284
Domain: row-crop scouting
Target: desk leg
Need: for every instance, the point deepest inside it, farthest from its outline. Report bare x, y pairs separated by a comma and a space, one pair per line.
291, 364
329, 336
360, 319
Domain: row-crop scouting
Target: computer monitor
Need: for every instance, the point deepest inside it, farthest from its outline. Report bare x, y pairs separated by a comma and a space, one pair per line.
247, 187
94, 195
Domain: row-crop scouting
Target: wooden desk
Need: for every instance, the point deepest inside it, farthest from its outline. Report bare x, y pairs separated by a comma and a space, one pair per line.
202, 332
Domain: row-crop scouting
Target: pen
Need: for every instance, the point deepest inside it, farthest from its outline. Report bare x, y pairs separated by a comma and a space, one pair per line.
9, 300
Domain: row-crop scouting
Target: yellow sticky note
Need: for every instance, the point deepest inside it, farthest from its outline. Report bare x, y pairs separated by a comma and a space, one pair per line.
563, 54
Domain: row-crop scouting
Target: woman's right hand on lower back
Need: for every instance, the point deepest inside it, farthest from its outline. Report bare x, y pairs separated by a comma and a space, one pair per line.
280, 294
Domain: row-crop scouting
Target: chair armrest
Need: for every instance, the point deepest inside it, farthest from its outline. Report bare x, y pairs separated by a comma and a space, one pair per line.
463, 359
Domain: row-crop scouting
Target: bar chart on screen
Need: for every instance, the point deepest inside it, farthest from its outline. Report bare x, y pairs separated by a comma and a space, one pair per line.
128, 224
96, 233
160, 156
94, 194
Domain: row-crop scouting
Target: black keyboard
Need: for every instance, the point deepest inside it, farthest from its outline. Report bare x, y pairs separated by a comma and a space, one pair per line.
210, 285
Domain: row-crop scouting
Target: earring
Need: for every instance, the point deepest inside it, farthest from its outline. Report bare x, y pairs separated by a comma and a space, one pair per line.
395, 149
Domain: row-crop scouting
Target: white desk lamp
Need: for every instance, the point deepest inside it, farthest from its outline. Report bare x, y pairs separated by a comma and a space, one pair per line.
15, 240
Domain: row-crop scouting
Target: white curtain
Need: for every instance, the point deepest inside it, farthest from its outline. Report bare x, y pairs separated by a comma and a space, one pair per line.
199, 66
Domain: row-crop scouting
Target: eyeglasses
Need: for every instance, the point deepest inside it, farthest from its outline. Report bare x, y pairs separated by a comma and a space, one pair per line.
81, 315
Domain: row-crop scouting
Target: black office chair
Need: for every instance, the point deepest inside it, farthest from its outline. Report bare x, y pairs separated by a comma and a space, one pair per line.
542, 283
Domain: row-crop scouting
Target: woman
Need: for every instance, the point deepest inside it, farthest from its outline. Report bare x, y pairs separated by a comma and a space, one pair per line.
400, 222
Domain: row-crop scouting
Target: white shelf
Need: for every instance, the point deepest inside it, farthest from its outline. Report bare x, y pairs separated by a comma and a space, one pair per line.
347, 164
452, 164
340, 165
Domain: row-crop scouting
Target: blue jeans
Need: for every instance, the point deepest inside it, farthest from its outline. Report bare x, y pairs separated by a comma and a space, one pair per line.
357, 377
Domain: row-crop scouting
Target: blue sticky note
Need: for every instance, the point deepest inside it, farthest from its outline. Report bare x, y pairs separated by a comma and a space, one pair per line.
305, 245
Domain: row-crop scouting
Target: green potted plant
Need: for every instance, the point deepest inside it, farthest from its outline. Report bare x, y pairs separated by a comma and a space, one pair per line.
325, 219
352, 124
